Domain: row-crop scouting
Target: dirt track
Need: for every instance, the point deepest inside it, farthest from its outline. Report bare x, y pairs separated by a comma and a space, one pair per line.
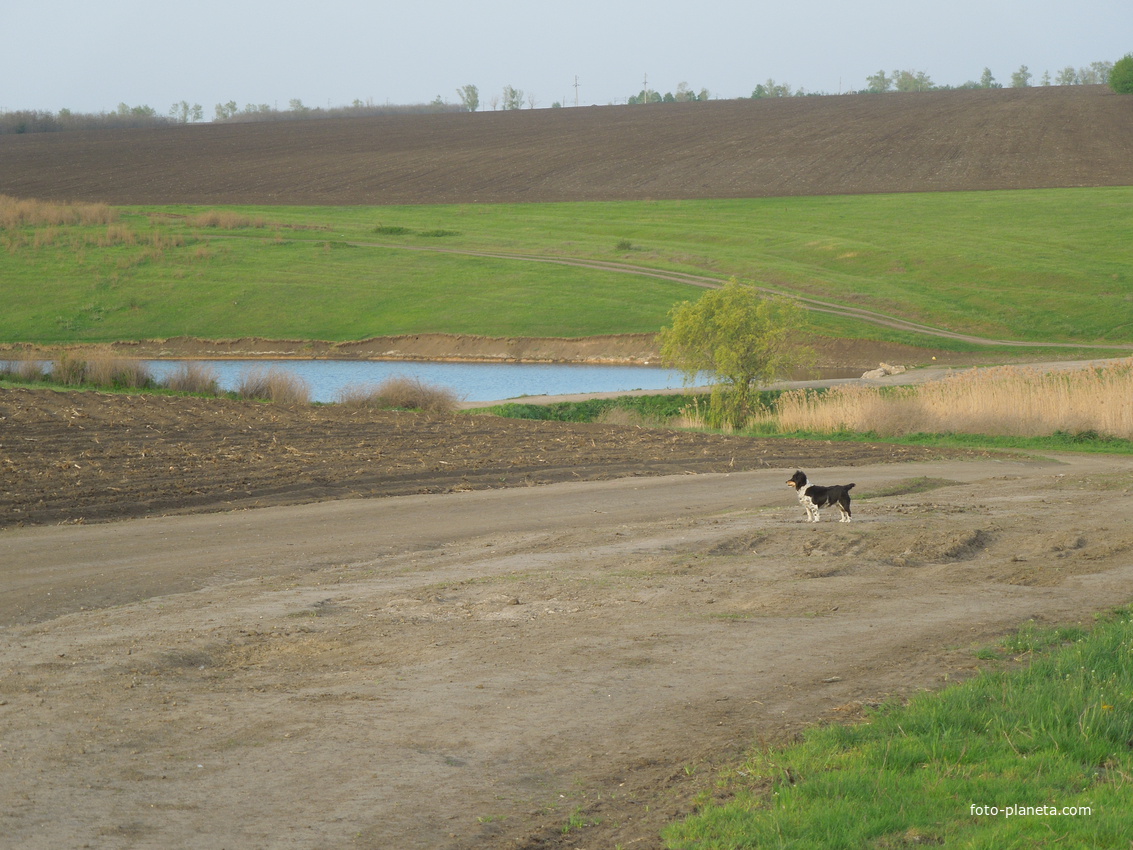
469, 670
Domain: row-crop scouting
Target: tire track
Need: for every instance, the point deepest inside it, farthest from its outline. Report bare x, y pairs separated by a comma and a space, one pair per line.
707, 282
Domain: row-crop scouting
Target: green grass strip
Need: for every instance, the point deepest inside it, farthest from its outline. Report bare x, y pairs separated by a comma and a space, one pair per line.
947, 768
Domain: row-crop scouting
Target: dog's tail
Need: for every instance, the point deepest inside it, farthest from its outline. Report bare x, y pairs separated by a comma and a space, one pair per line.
849, 486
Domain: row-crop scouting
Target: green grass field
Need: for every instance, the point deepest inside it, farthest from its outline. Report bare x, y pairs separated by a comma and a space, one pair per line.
1034, 757
1051, 265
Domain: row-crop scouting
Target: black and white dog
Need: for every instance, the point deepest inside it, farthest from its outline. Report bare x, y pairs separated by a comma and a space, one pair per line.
814, 497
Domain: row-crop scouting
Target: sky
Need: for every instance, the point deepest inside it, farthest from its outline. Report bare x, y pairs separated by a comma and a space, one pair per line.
89, 57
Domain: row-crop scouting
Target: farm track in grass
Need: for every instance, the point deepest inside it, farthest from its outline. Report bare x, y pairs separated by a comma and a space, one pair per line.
707, 282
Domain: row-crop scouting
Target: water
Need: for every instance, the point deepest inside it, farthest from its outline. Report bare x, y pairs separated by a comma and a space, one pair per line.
470, 381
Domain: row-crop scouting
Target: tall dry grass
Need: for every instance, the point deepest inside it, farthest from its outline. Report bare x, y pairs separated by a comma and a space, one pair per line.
196, 378
106, 370
1006, 400
399, 393
22, 212
25, 368
275, 385
225, 220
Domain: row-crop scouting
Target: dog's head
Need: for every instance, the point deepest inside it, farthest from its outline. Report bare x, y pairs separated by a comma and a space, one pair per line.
797, 480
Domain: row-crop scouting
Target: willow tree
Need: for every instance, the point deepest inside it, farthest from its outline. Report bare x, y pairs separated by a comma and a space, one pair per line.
742, 337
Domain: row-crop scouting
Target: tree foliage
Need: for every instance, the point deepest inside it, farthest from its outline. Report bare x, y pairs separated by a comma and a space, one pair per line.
771, 89
469, 97
684, 94
742, 337
1121, 75
1021, 78
513, 98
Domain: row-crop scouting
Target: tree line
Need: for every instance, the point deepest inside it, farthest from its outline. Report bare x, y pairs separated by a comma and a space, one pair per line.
1119, 75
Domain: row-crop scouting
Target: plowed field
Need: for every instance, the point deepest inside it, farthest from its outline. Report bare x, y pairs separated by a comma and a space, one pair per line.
933, 141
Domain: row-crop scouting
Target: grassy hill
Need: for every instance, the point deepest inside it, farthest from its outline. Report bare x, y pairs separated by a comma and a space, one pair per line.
1028, 266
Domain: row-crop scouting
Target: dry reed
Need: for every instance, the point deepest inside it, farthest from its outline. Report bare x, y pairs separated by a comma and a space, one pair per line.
106, 370
1006, 400
69, 370
196, 378
225, 220
24, 368
274, 385
400, 393
21, 212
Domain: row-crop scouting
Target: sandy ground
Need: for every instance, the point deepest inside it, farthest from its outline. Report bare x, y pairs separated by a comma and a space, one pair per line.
482, 669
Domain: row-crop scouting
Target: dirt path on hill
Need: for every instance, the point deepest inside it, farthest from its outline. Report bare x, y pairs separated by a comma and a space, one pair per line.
554, 666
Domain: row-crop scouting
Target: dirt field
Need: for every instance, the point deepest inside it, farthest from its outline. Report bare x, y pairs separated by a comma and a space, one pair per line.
483, 665
931, 141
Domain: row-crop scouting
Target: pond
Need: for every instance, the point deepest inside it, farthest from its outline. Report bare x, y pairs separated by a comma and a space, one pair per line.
479, 382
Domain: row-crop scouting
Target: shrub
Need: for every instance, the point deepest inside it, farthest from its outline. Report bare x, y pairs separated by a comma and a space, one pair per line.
194, 378
274, 385
1121, 75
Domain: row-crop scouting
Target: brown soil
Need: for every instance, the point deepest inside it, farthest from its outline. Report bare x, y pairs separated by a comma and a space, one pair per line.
845, 355
932, 141
484, 663
89, 456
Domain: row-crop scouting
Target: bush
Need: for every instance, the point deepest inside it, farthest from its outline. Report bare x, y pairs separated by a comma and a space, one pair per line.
1121, 75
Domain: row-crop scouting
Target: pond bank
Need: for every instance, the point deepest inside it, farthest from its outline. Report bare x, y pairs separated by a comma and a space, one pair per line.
621, 349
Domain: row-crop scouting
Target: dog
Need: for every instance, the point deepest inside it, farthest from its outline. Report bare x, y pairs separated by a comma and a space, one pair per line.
814, 497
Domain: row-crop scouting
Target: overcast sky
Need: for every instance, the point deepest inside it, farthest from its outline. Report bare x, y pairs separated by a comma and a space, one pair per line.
90, 56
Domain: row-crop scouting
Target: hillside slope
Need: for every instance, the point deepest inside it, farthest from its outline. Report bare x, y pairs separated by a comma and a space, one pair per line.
934, 141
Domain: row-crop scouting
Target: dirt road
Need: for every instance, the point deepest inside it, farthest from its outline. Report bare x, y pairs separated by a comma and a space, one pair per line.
553, 666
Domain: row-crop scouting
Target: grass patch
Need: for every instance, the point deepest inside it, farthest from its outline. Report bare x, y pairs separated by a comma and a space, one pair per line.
1024, 265
1056, 734
645, 409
